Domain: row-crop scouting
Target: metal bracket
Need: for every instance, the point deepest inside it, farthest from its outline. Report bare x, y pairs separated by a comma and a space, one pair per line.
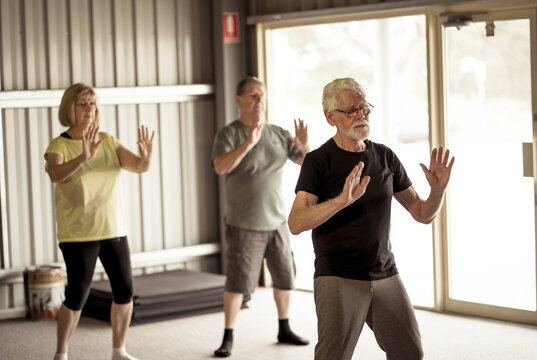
459, 20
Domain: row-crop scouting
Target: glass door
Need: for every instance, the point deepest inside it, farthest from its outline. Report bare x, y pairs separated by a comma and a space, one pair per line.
491, 199
301, 60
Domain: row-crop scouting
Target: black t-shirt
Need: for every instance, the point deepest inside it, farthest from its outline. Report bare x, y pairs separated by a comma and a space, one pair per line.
354, 243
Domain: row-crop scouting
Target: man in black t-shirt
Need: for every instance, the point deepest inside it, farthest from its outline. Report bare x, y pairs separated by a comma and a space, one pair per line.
344, 194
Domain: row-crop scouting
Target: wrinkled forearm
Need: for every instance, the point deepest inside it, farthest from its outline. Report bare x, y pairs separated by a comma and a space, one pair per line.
426, 210
304, 218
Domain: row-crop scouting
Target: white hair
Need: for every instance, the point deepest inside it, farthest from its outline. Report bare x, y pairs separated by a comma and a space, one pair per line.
331, 91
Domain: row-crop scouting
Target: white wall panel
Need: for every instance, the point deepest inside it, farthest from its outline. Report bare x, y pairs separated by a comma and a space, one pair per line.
166, 42
59, 67
204, 191
200, 48
151, 186
55, 130
146, 57
185, 41
12, 52
128, 135
108, 120
17, 181
168, 143
188, 162
196, 159
40, 196
124, 43
34, 24
103, 46
81, 44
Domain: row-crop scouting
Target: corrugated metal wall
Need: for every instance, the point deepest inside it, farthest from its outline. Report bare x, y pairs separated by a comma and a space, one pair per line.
50, 44
265, 7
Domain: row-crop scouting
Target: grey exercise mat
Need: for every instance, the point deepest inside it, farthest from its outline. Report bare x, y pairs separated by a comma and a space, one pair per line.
165, 295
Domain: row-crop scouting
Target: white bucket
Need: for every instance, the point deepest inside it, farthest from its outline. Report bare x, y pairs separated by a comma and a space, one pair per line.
44, 291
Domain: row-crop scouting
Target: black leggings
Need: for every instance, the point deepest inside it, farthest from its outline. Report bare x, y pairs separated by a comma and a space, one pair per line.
80, 259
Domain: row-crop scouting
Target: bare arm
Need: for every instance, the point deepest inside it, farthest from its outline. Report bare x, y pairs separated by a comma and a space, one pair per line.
423, 211
59, 171
135, 163
225, 163
307, 214
437, 175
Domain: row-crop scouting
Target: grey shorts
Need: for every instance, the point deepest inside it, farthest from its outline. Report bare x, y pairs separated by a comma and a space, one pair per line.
245, 252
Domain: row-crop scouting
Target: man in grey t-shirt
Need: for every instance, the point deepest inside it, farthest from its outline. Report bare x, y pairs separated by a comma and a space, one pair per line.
251, 154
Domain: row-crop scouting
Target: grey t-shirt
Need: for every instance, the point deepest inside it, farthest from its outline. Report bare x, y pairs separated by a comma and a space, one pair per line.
254, 188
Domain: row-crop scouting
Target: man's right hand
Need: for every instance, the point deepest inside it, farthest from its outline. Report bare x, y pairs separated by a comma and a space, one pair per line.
254, 134
225, 163
307, 214
354, 188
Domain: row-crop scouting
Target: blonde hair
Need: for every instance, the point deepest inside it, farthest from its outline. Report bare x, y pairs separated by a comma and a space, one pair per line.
331, 91
72, 94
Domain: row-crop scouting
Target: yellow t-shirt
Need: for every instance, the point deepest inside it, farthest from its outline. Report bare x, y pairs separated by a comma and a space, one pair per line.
89, 203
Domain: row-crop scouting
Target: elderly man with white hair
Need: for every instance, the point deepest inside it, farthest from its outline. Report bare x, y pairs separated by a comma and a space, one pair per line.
344, 193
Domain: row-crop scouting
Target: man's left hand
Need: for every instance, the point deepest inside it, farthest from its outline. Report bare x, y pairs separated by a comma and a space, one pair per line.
301, 135
439, 170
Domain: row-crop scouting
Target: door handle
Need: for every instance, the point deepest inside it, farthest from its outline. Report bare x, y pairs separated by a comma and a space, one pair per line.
527, 159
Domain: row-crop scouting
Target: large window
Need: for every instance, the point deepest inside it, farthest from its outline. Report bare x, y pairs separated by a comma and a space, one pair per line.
388, 57
491, 203
469, 73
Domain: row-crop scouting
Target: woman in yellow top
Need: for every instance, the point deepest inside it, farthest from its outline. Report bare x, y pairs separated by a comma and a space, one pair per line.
85, 165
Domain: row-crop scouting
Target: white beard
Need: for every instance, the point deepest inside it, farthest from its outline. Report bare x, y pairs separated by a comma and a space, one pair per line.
355, 133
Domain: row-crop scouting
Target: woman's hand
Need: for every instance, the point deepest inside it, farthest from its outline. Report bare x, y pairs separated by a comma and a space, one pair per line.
145, 143
138, 164
90, 144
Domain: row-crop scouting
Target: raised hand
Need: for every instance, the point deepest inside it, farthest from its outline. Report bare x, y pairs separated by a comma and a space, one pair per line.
439, 170
90, 144
145, 143
354, 188
301, 134
255, 133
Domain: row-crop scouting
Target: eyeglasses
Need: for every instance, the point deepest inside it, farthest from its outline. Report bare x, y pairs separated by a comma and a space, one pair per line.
365, 110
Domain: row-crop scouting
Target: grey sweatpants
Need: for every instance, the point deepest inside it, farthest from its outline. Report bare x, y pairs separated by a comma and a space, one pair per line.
343, 305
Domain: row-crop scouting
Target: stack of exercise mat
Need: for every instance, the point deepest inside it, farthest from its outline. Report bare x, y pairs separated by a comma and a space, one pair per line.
162, 296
